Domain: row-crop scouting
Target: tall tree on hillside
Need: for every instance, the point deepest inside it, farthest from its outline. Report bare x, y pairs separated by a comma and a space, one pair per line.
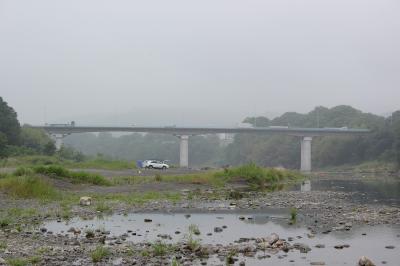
9, 124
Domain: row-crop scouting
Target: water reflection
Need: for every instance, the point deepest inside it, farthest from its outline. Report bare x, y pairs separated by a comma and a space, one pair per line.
380, 190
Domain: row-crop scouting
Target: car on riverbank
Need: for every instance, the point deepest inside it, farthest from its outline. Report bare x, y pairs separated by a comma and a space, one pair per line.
155, 164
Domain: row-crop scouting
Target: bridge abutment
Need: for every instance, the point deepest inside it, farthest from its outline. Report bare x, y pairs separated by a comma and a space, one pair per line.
184, 151
305, 165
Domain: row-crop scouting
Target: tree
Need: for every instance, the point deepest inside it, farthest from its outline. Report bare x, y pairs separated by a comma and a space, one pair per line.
9, 124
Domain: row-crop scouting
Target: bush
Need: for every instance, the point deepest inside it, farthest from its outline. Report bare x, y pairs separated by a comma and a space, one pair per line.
20, 171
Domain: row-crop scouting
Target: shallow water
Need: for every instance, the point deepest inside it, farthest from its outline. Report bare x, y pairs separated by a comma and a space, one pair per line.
259, 225
382, 190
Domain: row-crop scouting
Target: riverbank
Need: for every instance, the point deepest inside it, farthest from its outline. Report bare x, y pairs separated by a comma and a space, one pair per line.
30, 235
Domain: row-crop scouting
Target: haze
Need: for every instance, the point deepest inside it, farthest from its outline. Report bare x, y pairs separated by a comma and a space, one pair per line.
196, 62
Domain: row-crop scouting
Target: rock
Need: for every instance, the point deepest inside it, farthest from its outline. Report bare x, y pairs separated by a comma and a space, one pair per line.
117, 262
364, 261
272, 238
303, 248
242, 263
2, 261
217, 229
85, 201
43, 229
320, 246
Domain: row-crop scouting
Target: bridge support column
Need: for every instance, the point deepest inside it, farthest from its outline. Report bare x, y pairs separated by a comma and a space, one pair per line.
184, 151
58, 140
306, 154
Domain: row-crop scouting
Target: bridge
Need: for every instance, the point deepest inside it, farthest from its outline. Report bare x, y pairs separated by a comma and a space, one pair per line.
59, 131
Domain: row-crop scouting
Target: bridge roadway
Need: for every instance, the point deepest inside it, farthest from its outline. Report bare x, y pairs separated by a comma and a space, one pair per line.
306, 134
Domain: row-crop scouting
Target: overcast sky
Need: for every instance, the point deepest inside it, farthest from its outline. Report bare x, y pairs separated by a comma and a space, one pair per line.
208, 62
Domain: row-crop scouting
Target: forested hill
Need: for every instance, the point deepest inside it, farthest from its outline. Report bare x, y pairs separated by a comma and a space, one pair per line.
338, 116
382, 144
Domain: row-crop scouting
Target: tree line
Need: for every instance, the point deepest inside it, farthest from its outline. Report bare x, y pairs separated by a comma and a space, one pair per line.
383, 144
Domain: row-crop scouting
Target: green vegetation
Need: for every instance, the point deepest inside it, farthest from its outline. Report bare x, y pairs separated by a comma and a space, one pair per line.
257, 176
3, 245
293, 215
17, 262
101, 206
174, 262
89, 233
192, 243
23, 262
99, 253
159, 248
28, 187
194, 229
56, 171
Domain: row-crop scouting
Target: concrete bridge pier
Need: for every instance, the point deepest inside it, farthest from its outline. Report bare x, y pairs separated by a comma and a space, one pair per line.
58, 140
184, 151
306, 154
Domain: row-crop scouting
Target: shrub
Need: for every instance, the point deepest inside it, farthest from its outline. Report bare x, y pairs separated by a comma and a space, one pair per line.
20, 171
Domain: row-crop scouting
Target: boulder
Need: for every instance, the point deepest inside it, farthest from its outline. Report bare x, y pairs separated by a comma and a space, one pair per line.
272, 238
85, 201
364, 261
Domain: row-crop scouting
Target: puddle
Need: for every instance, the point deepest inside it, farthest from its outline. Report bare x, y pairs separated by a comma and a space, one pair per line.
254, 225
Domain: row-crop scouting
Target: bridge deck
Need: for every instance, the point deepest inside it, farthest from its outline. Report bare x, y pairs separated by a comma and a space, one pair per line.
208, 130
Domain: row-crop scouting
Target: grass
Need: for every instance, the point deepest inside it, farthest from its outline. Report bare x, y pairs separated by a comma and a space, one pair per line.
101, 206
56, 171
159, 248
23, 262
293, 215
3, 245
194, 229
192, 243
102, 164
174, 262
35, 160
28, 187
99, 253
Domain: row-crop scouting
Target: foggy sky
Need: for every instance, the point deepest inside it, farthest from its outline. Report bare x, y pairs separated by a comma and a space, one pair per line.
208, 62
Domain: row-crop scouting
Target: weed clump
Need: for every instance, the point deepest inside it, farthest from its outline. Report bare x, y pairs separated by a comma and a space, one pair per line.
99, 253
159, 248
293, 215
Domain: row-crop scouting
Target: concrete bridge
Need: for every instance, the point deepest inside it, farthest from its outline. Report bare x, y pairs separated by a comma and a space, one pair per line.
59, 131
